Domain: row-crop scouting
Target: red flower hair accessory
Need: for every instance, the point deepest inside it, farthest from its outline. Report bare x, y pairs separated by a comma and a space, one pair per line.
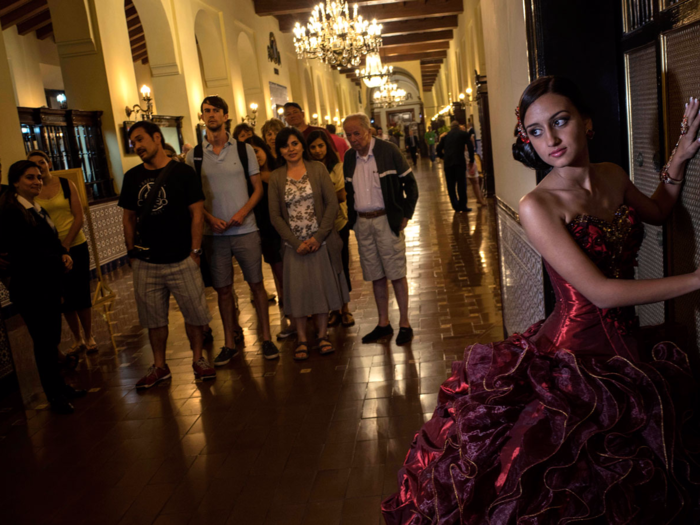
521, 129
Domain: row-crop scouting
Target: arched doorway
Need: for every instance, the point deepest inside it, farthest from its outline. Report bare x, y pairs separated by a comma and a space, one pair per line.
252, 89
322, 100
310, 97
159, 37
212, 58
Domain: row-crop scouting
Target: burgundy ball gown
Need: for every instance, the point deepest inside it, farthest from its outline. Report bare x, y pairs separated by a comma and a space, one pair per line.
563, 423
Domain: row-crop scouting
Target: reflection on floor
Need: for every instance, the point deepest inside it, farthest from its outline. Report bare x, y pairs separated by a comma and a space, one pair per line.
267, 442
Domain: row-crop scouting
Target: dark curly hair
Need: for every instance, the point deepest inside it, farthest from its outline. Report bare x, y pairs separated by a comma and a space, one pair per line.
524, 152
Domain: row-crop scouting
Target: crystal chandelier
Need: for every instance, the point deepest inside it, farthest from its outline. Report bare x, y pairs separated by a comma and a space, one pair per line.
335, 37
374, 74
389, 96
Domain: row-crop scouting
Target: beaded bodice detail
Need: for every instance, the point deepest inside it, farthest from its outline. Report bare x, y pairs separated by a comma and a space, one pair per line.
611, 245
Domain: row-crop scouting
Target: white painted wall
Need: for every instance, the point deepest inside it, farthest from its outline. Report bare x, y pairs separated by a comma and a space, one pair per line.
24, 57
507, 66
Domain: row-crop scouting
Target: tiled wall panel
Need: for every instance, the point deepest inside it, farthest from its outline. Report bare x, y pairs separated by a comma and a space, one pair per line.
521, 276
682, 81
645, 164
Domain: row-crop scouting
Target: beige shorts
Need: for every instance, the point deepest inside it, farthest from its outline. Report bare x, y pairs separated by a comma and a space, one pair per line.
153, 285
382, 252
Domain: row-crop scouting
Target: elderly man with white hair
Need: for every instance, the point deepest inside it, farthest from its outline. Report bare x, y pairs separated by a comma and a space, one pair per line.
381, 195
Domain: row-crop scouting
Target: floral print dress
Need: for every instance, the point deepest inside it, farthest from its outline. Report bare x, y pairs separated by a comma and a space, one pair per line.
299, 198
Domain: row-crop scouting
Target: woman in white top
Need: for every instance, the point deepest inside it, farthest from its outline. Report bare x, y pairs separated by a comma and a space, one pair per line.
322, 151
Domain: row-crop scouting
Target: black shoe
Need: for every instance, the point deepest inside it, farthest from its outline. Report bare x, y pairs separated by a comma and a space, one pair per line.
225, 356
270, 351
465, 210
405, 336
238, 336
208, 336
74, 393
60, 405
377, 333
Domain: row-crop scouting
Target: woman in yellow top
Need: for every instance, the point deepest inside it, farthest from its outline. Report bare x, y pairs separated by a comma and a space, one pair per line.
59, 197
322, 150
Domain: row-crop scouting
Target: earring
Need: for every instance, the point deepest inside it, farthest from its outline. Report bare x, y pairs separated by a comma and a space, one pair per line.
590, 134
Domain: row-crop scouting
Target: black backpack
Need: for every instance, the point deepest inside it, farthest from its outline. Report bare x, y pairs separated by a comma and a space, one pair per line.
243, 156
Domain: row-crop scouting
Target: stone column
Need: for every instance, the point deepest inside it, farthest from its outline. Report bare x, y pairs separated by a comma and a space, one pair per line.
98, 72
11, 144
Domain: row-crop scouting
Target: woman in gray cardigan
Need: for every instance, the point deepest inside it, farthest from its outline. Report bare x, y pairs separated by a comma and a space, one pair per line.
303, 207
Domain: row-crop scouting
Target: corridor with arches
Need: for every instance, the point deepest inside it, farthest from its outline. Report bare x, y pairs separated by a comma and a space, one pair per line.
546, 248
311, 443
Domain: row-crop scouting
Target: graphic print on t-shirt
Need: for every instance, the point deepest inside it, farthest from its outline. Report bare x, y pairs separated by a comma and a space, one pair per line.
160, 203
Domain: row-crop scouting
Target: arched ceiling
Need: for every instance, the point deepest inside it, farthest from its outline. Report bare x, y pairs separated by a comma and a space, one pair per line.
137, 38
413, 30
34, 15
28, 16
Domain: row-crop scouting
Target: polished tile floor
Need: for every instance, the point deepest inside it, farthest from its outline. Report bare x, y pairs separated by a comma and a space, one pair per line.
317, 442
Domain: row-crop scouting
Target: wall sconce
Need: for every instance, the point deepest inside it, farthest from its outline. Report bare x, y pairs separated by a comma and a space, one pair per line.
250, 119
146, 114
314, 119
61, 99
328, 119
336, 119
469, 96
280, 111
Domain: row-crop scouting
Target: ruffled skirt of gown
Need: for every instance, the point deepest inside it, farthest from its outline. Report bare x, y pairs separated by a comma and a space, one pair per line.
524, 438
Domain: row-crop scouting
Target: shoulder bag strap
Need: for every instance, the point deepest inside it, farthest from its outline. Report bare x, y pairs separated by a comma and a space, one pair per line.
198, 157
243, 157
65, 186
155, 190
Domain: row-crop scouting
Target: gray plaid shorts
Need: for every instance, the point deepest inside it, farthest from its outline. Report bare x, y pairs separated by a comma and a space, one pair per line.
153, 284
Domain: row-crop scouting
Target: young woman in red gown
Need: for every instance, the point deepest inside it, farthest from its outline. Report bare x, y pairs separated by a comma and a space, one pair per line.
565, 422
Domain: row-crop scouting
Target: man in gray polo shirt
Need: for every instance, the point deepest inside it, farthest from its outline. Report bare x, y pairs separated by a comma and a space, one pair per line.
230, 228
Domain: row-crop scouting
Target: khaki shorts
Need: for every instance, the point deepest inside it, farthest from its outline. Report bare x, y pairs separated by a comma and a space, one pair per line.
247, 250
382, 252
153, 284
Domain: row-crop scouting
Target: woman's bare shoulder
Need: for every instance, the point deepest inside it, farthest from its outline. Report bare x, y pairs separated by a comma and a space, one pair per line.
540, 203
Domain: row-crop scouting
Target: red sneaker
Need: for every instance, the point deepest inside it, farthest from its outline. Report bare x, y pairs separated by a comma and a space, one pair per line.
203, 370
154, 375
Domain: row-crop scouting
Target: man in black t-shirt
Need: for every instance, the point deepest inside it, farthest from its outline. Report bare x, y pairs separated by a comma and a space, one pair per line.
164, 247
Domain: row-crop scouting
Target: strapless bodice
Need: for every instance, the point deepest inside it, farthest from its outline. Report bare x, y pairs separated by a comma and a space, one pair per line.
576, 323
561, 423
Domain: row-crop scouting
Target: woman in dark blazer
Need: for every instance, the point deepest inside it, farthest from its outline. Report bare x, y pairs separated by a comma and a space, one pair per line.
303, 208
37, 262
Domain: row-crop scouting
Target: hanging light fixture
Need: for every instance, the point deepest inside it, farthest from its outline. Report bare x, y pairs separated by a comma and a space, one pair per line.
389, 96
374, 74
335, 37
